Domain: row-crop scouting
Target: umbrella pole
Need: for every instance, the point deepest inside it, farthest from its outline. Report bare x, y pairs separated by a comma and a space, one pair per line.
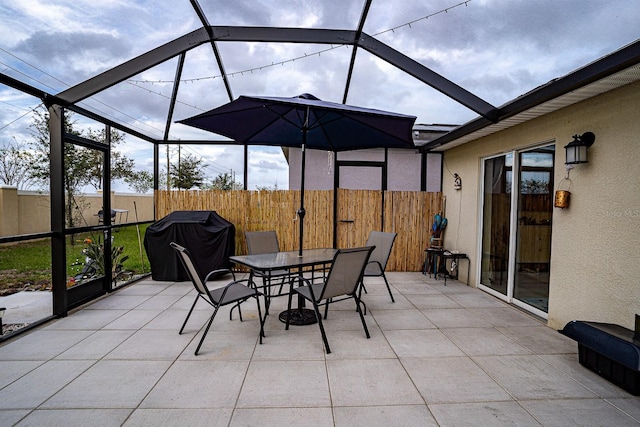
301, 211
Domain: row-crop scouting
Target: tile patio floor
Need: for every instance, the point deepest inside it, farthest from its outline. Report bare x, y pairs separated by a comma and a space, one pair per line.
439, 356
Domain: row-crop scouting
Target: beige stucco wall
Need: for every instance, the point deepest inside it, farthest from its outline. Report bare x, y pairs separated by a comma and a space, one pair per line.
8, 205
143, 203
595, 249
34, 213
27, 212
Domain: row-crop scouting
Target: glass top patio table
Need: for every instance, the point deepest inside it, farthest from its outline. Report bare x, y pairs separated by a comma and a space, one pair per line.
290, 260
285, 260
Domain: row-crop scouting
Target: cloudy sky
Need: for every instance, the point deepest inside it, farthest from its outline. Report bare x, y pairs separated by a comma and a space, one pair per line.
496, 49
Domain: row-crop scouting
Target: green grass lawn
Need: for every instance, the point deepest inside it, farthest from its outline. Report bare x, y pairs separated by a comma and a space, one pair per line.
29, 263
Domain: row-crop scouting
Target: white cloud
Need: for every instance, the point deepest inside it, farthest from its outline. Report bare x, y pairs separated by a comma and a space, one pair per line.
496, 49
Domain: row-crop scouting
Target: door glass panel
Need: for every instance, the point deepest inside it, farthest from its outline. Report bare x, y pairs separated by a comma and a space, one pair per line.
132, 202
83, 169
533, 247
495, 227
83, 174
85, 258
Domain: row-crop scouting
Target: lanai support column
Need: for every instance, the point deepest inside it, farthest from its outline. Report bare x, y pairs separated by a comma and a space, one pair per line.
58, 247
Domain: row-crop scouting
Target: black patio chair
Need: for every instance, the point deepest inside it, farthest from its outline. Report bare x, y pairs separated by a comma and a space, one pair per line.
341, 282
383, 243
235, 292
101, 216
262, 242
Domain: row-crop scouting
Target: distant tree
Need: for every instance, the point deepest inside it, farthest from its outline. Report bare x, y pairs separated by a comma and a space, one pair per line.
187, 172
76, 162
90, 161
162, 179
15, 166
225, 181
82, 166
535, 186
121, 166
139, 181
267, 187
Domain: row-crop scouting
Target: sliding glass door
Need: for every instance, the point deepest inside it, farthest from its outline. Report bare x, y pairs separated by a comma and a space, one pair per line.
496, 219
516, 227
533, 243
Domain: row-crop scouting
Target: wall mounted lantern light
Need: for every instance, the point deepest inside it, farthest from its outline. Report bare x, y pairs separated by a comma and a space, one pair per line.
457, 182
576, 150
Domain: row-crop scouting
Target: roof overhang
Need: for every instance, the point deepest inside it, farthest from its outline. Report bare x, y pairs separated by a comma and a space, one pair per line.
610, 72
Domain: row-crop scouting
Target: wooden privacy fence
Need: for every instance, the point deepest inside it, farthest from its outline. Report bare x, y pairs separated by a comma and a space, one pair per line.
408, 213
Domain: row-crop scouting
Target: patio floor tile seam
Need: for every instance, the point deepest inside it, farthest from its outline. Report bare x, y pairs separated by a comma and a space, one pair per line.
631, 398
136, 330
593, 395
513, 398
71, 345
446, 332
492, 402
525, 405
160, 377
95, 305
44, 402
9, 384
90, 306
104, 358
328, 379
244, 379
597, 394
383, 333
404, 360
415, 386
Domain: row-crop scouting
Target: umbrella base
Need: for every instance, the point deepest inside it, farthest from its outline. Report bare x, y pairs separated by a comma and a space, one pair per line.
299, 316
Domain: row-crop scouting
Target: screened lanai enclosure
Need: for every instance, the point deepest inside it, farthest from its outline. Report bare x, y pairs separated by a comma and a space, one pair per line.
91, 96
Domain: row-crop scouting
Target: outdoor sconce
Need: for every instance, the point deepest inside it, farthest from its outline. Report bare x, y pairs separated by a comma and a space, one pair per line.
2, 310
457, 182
576, 150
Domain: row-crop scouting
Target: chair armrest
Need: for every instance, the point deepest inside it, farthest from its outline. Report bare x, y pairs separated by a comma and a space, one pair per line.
219, 271
235, 282
250, 283
307, 281
308, 285
379, 266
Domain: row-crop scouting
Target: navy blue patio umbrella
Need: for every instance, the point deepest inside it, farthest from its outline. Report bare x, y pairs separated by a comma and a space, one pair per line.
307, 122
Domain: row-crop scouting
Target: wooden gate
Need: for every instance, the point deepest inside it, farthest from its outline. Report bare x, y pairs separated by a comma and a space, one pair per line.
358, 212
408, 213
